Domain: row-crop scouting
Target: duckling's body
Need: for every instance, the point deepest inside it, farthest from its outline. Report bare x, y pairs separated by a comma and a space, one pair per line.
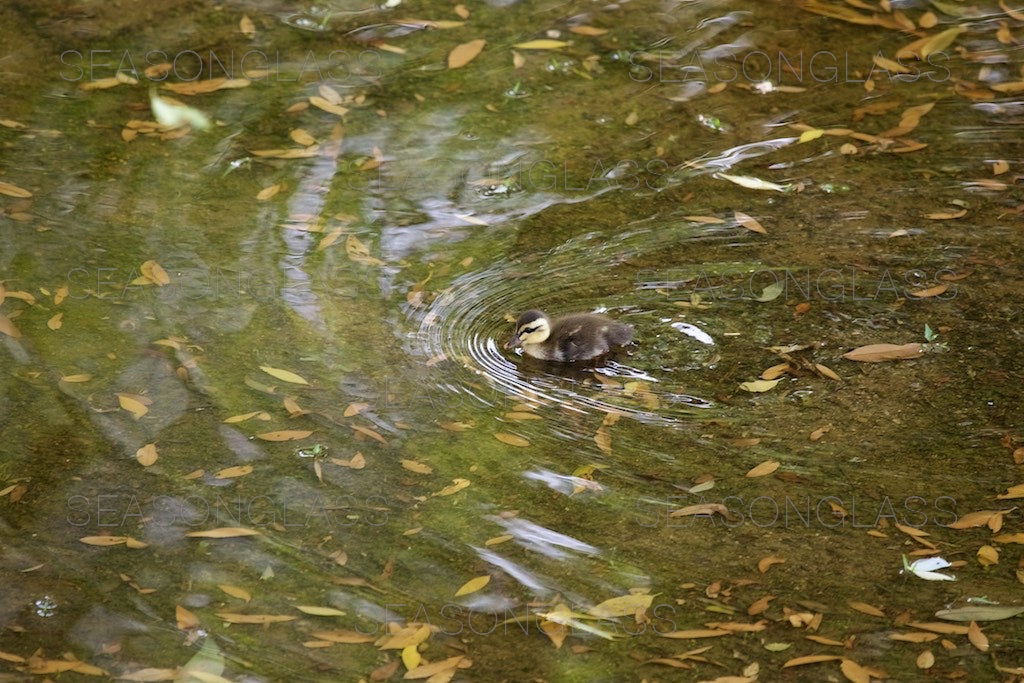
579, 336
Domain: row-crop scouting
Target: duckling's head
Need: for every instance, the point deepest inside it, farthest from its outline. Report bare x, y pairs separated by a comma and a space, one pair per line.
531, 328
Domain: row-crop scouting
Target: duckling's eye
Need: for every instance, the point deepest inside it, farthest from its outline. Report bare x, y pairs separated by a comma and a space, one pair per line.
529, 330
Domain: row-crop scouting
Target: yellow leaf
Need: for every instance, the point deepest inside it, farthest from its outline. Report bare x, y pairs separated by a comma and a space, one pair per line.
146, 455
585, 30
988, 556
132, 405
473, 585
232, 472
760, 385
456, 486
764, 469
246, 26
302, 137
321, 103
358, 252
235, 591
355, 408
511, 439
185, 618
411, 657
622, 606
541, 44
329, 239
812, 134
417, 467
320, 611
268, 192
242, 418
283, 375
889, 65
13, 190
54, 323
463, 54
153, 272
85, 377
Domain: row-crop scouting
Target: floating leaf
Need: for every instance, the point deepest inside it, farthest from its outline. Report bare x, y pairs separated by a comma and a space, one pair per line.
760, 385
293, 153
749, 222
223, 532
85, 377
876, 353
358, 252
13, 190
622, 606
207, 86
146, 455
473, 585
980, 613
764, 469
329, 107
235, 591
344, 636
246, 26
232, 472
283, 375
752, 183
355, 409
417, 467
233, 618
133, 405
463, 54
541, 44
285, 435
268, 192
320, 611
511, 439
8, 328
456, 486
55, 323
585, 30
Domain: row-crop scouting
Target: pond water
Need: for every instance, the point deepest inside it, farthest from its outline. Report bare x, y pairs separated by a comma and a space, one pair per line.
257, 423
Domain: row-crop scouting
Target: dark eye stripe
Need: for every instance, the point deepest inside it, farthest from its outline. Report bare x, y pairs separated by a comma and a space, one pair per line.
529, 330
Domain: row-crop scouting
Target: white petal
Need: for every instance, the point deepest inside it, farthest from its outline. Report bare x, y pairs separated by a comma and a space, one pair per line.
928, 564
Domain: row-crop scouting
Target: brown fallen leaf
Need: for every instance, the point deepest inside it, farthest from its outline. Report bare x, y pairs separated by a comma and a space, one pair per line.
865, 608
223, 532
463, 54
749, 222
877, 353
233, 618
929, 292
511, 439
763, 469
146, 455
285, 435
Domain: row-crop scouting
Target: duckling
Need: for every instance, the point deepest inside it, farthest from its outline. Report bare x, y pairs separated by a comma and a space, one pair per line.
579, 336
